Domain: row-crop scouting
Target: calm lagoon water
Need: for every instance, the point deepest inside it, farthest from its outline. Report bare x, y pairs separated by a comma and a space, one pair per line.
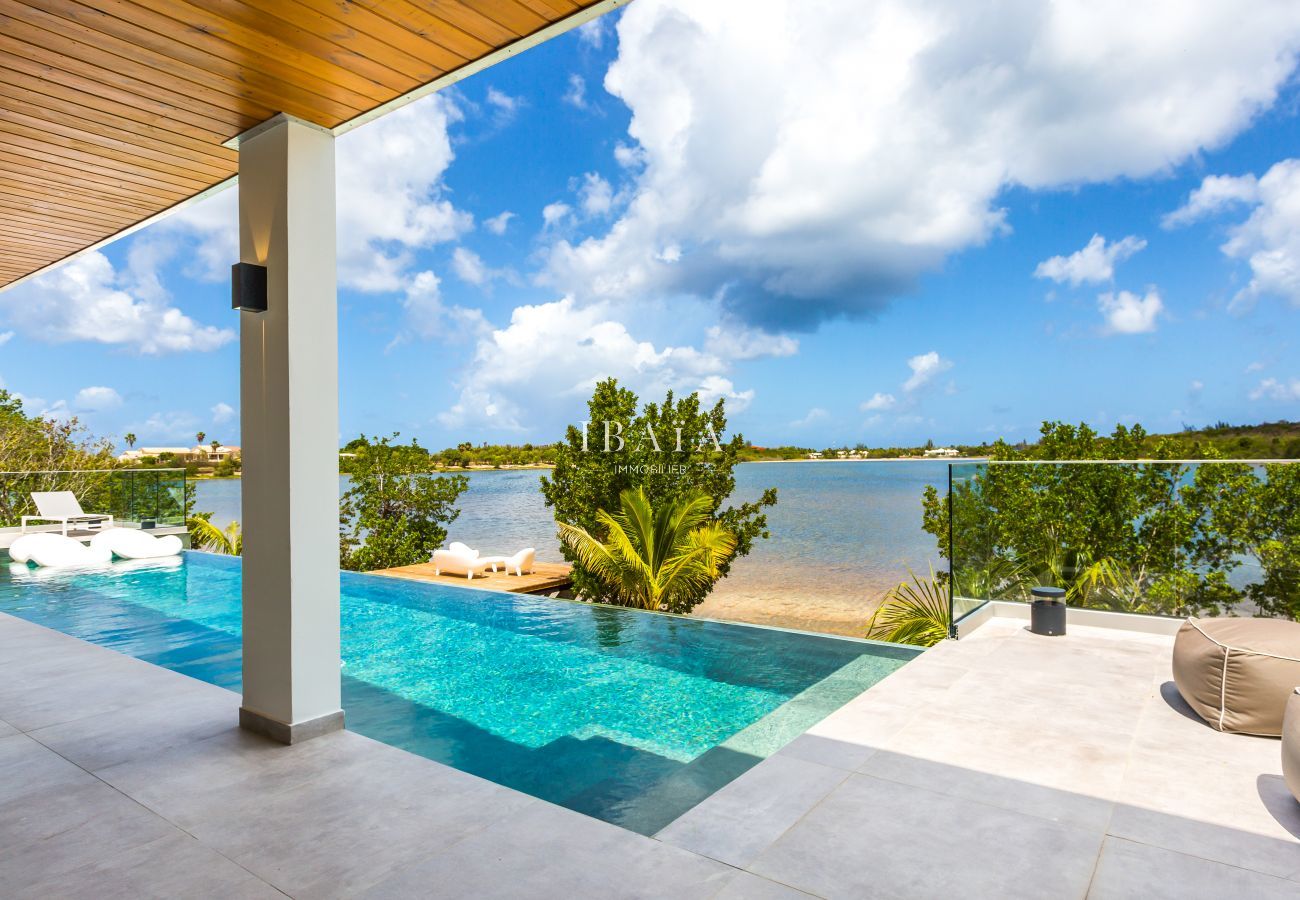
842, 534
627, 716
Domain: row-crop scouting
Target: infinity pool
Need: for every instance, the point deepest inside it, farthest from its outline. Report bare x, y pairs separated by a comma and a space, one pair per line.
628, 716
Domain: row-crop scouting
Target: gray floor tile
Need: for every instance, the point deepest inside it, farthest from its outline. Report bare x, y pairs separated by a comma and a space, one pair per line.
1059, 776
745, 817
875, 838
1049, 803
747, 886
27, 769
847, 737
60, 830
346, 828
550, 852
1228, 812
173, 866
147, 729
188, 781
64, 689
1127, 869
1268, 854
1108, 705
1168, 726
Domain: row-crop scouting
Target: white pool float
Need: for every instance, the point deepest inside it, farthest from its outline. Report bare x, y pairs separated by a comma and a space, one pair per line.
20, 551
132, 543
57, 551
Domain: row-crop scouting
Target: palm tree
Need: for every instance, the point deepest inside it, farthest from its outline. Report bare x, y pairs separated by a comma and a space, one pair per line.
215, 445
653, 558
130, 440
206, 536
201, 435
915, 613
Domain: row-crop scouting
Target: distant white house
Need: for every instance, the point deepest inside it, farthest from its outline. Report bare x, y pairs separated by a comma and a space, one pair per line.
943, 451
202, 454
815, 454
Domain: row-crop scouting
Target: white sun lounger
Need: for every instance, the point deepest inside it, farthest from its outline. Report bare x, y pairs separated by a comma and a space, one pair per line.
62, 507
521, 563
458, 559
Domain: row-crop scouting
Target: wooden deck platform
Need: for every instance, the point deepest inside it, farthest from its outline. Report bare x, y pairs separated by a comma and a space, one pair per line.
545, 578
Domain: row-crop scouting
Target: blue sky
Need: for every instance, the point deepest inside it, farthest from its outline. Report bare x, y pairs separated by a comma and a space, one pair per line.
894, 226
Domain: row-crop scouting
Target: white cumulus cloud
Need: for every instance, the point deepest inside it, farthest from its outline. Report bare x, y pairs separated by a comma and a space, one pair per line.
576, 95
1216, 193
1281, 391
87, 299
1127, 313
1094, 264
425, 316
596, 195
391, 196
815, 415
529, 374
499, 223
96, 399
1269, 241
469, 266
925, 368
879, 402
222, 413
732, 340
553, 214
818, 156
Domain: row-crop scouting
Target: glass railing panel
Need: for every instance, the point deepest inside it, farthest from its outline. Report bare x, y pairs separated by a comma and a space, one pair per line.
132, 496
1172, 538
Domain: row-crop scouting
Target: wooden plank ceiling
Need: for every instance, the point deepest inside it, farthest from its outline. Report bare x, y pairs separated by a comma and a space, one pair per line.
111, 111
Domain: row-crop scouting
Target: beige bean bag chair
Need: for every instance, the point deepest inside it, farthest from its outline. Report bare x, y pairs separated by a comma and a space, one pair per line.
1238, 673
1291, 744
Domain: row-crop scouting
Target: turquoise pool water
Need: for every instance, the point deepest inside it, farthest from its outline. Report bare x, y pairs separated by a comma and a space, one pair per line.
627, 716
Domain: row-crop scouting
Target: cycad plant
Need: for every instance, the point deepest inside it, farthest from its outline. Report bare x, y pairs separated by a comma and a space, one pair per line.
653, 558
912, 613
206, 536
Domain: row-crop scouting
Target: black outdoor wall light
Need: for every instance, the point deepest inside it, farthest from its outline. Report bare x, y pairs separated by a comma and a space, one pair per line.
248, 287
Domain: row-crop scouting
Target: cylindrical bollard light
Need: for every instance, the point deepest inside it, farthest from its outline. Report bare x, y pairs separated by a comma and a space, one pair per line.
1047, 614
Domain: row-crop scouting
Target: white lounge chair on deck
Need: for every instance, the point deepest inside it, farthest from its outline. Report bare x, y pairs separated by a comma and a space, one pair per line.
521, 563
458, 559
63, 507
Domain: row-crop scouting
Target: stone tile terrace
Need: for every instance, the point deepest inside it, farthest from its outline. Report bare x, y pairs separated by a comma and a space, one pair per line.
1003, 765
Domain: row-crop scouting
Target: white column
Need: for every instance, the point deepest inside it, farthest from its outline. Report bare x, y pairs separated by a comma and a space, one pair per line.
289, 415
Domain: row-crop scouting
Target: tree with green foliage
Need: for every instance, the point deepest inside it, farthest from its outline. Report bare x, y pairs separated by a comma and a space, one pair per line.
671, 451
912, 612
49, 455
206, 536
1150, 537
656, 558
395, 512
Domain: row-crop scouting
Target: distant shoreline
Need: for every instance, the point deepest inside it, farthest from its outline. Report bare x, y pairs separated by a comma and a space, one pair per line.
447, 470
876, 459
